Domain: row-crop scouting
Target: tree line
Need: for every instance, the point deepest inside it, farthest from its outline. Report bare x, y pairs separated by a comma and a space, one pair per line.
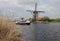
45, 18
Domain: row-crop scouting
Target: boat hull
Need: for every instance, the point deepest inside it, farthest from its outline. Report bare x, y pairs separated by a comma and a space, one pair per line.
23, 23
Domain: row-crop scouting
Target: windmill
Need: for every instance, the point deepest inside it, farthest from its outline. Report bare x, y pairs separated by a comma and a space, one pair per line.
35, 12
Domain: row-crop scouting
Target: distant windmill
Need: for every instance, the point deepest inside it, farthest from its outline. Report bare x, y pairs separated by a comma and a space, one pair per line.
35, 12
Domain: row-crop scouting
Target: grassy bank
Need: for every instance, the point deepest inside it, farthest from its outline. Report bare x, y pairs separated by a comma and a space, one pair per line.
8, 32
55, 22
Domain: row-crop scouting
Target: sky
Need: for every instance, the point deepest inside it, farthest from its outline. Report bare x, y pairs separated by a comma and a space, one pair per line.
17, 8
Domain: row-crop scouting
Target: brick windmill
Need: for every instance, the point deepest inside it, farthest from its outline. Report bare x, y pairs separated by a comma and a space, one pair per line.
35, 12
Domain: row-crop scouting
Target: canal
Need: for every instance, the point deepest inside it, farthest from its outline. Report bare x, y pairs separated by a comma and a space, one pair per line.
41, 32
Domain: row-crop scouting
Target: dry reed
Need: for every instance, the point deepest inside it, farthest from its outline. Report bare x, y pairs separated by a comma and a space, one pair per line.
8, 32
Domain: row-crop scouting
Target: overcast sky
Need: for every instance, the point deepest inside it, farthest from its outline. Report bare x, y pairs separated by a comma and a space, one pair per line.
19, 7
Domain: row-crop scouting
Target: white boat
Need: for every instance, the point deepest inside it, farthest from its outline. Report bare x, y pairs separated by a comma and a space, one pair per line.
23, 22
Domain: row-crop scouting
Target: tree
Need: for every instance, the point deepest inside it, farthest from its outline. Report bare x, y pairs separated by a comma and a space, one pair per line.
45, 18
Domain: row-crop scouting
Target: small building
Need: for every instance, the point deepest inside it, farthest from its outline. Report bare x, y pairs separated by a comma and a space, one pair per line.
39, 19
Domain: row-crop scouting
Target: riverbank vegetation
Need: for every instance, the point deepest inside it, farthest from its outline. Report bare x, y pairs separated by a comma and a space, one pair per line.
8, 31
51, 20
45, 18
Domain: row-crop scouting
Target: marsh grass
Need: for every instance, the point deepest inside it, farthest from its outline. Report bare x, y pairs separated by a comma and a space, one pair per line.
8, 32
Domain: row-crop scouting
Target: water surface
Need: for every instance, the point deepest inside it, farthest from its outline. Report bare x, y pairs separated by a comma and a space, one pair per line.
42, 32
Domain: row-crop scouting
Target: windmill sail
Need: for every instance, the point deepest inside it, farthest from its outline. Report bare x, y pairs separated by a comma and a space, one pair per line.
35, 12
35, 6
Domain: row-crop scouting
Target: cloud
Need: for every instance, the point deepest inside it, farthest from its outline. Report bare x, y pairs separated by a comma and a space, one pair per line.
8, 3
14, 3
25, 4
29, 5
55, 1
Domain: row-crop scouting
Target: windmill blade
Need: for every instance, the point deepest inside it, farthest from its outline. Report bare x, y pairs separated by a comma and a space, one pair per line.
41, 11
35, 6
29, 10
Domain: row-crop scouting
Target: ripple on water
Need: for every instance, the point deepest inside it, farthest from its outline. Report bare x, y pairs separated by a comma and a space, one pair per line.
42, 32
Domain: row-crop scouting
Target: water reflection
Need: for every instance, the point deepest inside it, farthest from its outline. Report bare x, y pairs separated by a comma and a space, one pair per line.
35, 30
40, 31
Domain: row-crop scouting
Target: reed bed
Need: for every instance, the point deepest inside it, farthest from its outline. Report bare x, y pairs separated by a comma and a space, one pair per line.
8, 31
